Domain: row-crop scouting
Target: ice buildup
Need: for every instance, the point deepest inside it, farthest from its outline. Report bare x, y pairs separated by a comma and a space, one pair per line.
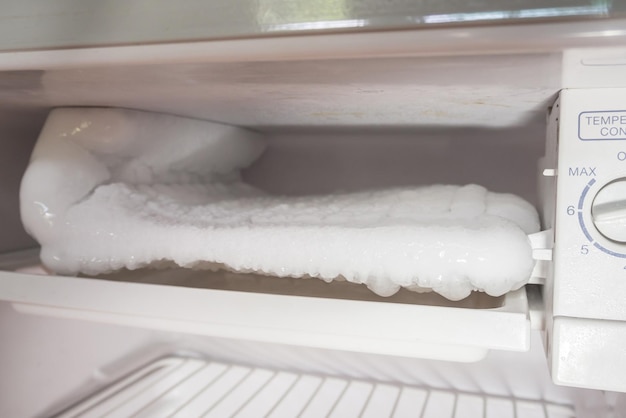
108, 189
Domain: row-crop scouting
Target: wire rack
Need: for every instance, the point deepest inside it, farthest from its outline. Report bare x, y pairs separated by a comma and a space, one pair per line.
192, 387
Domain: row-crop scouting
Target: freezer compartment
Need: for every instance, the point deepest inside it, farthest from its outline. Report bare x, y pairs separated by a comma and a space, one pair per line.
330, 124
289, 311
308, 312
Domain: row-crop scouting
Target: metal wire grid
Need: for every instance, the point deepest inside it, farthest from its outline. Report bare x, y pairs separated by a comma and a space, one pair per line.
190, 387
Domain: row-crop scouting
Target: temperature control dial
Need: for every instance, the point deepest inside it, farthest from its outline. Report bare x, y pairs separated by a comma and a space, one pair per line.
608, 211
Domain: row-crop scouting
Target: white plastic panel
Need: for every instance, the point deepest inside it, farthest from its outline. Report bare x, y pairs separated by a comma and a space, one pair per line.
589, 268
402, 329
589, 353
585, 308
594, 67
163, 389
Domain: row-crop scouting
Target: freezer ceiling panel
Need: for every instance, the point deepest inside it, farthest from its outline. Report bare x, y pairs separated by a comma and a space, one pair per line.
493, 91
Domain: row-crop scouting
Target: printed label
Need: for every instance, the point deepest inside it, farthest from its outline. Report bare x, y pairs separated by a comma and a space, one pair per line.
594, 126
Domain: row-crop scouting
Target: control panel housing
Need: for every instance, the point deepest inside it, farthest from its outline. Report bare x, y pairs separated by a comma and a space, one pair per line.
584, 203
590, 214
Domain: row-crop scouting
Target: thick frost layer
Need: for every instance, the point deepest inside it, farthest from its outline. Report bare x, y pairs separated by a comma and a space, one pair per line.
108, 189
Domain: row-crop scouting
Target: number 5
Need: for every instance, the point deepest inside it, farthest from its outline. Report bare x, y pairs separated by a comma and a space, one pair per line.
584, 249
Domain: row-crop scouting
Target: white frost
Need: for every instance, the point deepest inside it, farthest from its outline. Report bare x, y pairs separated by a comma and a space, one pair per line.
109, 189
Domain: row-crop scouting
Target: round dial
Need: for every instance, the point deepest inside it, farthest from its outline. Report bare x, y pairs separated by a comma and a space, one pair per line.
608, 211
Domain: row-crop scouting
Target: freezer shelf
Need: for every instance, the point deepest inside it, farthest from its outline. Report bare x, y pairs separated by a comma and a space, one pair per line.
193, 387
449, 332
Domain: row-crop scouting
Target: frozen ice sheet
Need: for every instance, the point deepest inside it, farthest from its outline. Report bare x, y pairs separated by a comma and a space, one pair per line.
108, 189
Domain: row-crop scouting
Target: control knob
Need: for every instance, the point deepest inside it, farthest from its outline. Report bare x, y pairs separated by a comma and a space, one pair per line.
608, 211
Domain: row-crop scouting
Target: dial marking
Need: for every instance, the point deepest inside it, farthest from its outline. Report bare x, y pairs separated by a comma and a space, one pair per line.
606, 250
582, 196
582, 225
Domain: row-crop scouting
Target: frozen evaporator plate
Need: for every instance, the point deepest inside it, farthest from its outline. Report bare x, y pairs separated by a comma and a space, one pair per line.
108, 189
